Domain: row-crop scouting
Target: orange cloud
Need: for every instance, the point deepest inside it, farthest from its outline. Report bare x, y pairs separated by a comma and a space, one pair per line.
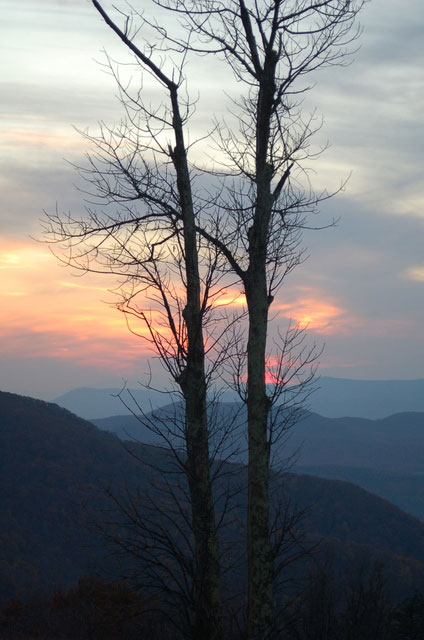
25, 256
46, 312
44, 315
308, 310
74, 285
314, 313
24, 138
231, 299
416, 273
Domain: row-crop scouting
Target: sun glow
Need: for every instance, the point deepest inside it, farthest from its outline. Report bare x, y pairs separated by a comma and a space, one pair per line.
314, 314
43, 315
231, 298
416, 273
23, 257
26, 138
46, 312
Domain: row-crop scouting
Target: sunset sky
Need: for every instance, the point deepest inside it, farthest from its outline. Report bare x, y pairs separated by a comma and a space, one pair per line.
361, 292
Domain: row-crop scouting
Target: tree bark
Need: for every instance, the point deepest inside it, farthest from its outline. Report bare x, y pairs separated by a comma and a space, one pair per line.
260, 565
260, 607
207, 623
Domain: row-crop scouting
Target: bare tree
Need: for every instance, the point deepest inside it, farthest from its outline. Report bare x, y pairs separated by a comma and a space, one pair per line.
152, 526
246, 227
269, 46
148, 247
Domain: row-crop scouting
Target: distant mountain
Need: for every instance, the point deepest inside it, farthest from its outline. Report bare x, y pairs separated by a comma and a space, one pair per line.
384, 456
334, 398
54, 467
395, 443
128, 427
337, 397
404, 490
88, 402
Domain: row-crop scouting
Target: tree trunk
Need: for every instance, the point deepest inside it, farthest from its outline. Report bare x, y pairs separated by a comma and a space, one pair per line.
207, 586
260, 566
207, 625
260, 606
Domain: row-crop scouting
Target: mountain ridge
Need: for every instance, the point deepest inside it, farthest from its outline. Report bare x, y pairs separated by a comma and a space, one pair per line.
394, 443
334, 397
54, 467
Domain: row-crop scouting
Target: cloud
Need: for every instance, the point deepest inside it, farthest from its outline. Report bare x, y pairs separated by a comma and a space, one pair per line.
74, 285
372, 109
43, 315
24, 138
231, 298
416, 273
314, 313
26, 257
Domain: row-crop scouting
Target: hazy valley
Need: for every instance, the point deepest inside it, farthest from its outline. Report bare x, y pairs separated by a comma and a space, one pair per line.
55, 468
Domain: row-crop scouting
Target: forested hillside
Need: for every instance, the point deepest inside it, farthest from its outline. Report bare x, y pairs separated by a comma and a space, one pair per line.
394, 443
54, 467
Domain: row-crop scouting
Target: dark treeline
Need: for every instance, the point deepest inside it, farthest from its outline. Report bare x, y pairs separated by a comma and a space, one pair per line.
353, 608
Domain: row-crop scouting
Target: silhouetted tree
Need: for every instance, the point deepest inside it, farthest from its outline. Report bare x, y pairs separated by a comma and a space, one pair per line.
367, 611
243, 227
408, 618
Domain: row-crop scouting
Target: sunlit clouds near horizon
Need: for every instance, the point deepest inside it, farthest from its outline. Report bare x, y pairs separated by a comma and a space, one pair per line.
52, 310
54, 314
